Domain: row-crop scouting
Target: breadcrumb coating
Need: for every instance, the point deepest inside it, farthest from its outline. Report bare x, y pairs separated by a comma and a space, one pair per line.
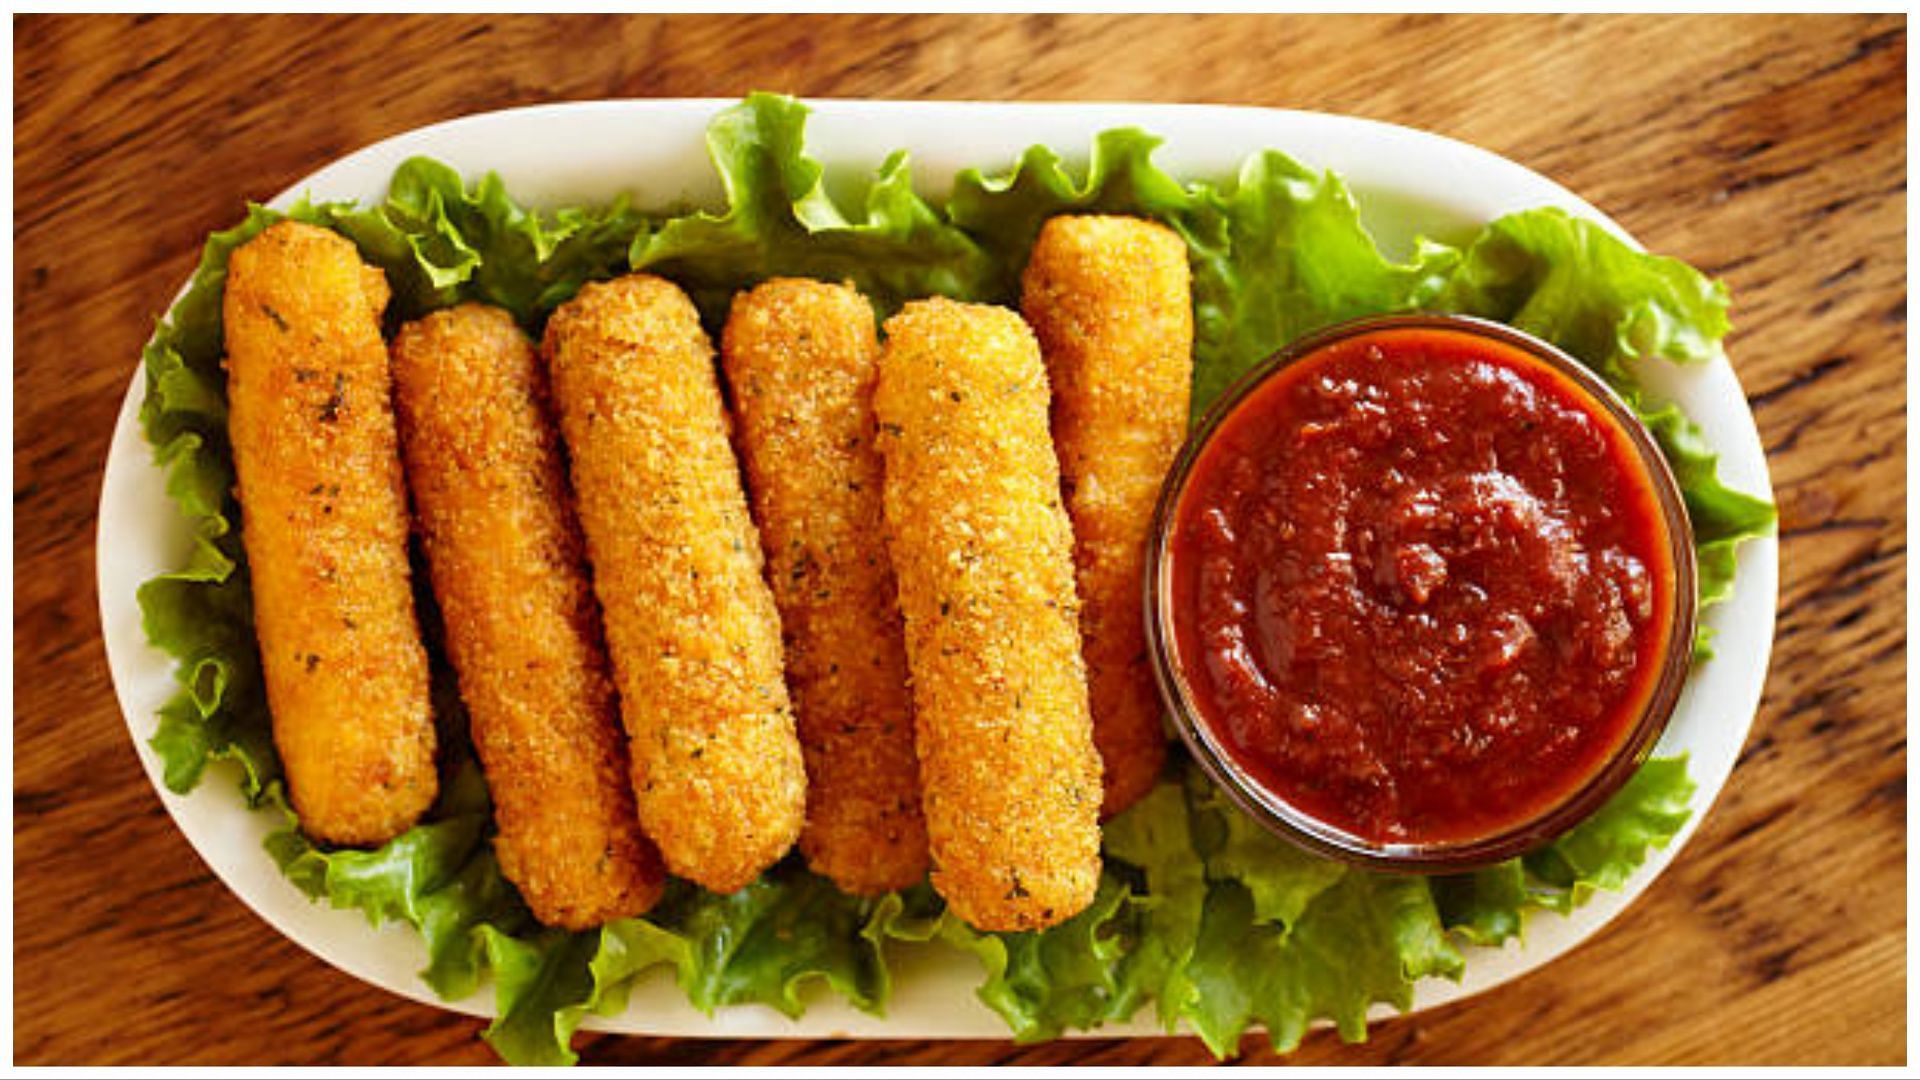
691, 626
319, 482
800, 359
983, 552
1111, 300
523, 633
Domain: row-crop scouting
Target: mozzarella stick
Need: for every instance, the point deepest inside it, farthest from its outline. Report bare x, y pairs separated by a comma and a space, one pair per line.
522, 630
800, 359
319, 480
1111, 300
984, 555
691, 626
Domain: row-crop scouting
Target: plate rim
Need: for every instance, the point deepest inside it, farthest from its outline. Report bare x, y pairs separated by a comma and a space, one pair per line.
1758, 566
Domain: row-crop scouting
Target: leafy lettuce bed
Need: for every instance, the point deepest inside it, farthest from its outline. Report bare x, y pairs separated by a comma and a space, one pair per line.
1200, 915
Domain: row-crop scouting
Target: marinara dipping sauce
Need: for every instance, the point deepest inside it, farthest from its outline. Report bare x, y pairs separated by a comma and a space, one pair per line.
1422, 592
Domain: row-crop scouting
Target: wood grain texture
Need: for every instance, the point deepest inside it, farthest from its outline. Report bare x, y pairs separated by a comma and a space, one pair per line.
1769, 150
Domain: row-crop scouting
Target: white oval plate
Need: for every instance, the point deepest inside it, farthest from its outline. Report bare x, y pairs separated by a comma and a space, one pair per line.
1408, 183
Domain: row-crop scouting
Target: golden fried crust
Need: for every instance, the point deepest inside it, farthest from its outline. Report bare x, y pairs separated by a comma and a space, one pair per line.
318, 462
984, 555
691, 625
522, 630
800, 358
1111, 300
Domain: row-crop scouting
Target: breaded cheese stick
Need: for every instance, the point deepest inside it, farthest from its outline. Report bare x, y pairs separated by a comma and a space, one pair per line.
1111, 300
691, 626
318, 464
800, 358
509, 571
984, 555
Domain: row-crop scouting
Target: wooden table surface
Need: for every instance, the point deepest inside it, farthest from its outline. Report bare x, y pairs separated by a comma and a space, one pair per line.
1768, 150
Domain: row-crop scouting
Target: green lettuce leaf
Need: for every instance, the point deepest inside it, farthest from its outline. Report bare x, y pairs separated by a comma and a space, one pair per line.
1283, 254
442, 243
1365, 940
1289, 938
1044, 982
1283, 880
1234, 927
1487, 906
766, 942
763, 945
1490, 906
1279, 253
1600, 852
1004, 213
1157, 837
780, 220
1721, 517
1569, 281
541, 982
1200, 911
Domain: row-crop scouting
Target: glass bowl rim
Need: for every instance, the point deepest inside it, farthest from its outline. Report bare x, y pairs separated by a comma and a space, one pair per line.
1282, 819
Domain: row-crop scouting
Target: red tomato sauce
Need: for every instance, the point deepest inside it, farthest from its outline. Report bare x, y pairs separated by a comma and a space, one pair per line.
1422, 585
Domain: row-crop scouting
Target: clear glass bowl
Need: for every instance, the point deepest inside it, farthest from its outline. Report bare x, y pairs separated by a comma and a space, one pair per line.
1269, 807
